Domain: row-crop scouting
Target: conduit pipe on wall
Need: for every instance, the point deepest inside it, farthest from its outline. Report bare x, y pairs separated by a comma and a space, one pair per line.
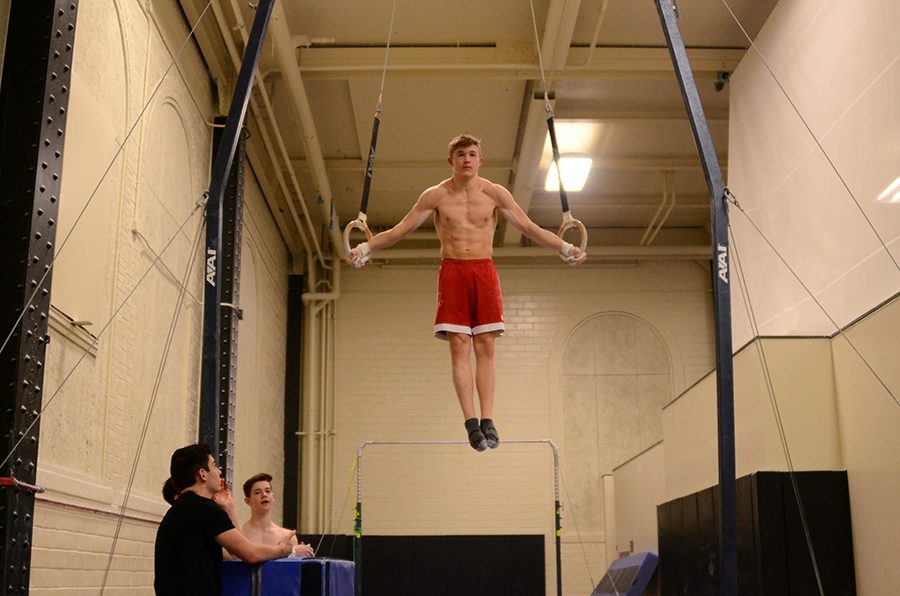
315, 472
330, 420
279, 139
323, 435
310, 421
270, 152
226, 32
323, 298
285, 56
267, 142
316, 435
317, 332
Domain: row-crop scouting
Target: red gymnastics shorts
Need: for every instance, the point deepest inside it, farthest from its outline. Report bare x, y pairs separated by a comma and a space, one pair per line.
468, 298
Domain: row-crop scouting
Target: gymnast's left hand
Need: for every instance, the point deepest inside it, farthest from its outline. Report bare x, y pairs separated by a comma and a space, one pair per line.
572, 254
303, 550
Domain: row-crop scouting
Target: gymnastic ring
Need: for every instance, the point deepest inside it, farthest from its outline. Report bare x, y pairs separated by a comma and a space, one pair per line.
360, 224
570, 222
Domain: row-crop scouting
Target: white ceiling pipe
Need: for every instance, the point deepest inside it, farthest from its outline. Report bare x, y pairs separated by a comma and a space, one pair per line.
240, 25
323, 297
670, 191
267, 143
662, 205
601, 16
286, 58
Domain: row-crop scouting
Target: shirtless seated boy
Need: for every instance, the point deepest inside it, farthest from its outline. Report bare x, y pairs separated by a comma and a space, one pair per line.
260, 497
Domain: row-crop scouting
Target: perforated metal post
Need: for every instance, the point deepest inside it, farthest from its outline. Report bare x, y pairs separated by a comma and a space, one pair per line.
721, 295
229, 264
232, 232
215, 370
33, 102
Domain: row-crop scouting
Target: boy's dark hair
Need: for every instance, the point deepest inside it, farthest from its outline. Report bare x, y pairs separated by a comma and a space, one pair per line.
186, 462
170, 492
248, 485
463, 140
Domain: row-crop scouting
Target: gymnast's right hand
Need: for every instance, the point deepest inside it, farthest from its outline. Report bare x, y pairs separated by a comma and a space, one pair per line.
359, 256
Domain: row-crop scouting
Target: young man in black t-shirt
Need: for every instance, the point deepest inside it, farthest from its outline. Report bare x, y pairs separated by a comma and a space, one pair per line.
189, 542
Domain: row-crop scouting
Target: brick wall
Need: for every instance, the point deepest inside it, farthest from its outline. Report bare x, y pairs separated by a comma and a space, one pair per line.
393, 383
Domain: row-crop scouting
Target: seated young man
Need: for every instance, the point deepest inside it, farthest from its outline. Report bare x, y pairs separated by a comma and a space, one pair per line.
192, 534
260, 497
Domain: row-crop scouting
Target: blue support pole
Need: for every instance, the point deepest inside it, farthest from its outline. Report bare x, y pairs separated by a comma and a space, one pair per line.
721, 295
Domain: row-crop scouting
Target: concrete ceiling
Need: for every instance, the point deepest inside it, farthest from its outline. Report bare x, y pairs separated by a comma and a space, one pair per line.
472, 66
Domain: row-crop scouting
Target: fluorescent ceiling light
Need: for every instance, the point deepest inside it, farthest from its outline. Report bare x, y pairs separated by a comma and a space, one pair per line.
575, 171
576, 136
891, 194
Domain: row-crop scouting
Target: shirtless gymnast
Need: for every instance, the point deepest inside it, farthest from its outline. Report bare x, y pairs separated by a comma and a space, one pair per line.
469, 306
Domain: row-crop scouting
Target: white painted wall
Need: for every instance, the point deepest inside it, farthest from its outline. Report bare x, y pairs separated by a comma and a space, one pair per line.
639, 487
816, 202
802, 380
870, 445
835, 415
837, 63
259, 421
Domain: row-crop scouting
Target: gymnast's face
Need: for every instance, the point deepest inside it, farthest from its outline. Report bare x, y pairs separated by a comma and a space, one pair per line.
261, 496
466, 161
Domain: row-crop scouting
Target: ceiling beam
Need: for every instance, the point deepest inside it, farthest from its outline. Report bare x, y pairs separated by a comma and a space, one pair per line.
640, 164
597, 253
299, 101
620, 203
506, 62
587, 110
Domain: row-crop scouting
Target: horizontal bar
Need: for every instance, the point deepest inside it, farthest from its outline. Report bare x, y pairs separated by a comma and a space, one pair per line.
505, 442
